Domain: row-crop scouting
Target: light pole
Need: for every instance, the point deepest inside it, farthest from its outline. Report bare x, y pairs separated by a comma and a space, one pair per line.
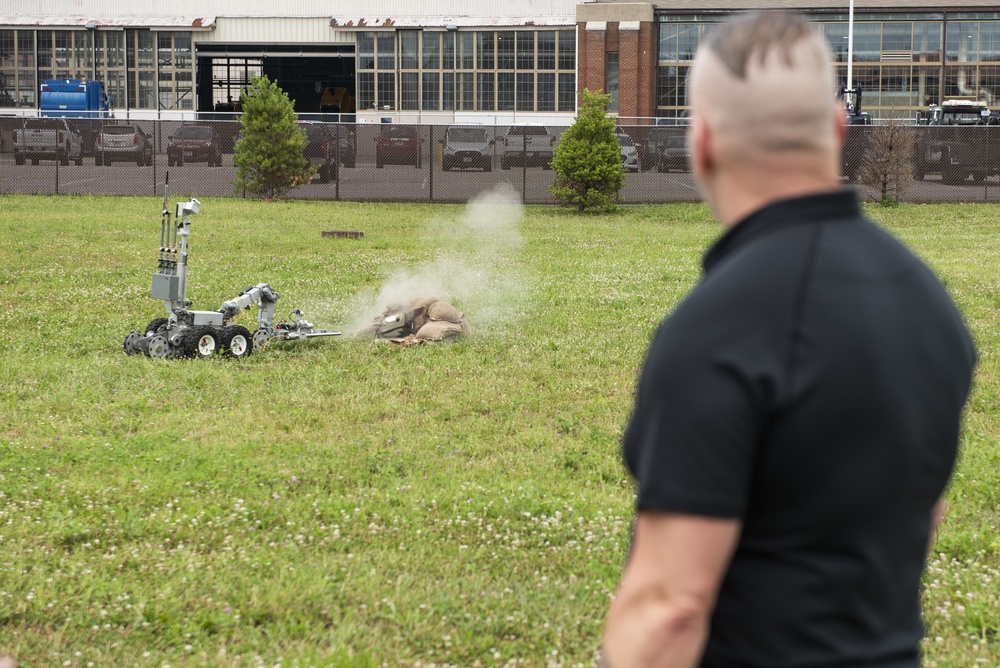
850, 44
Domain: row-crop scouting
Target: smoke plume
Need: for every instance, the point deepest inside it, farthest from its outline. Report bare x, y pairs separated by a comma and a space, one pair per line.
474, 265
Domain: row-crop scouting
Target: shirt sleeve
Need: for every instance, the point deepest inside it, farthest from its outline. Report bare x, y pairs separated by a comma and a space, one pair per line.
700, 413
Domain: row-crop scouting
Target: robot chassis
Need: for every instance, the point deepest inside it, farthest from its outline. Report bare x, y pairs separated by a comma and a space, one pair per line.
189, 333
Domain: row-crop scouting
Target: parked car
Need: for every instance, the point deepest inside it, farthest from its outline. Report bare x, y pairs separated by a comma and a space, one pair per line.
398, 145
47, 139
527, 146
467, 147
123, 143
673, 156
194, 143
630, 155
653, 142
328, 145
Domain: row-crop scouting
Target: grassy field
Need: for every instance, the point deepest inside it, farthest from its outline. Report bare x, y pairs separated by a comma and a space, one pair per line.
343, 502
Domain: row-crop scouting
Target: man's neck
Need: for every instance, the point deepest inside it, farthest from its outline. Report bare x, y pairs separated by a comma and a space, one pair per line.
736, 196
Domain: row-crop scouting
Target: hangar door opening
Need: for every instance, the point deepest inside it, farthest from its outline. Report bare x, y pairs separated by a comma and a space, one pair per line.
319, 79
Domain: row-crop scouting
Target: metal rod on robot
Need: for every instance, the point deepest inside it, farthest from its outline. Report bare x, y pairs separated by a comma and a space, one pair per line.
173, 244
164, 222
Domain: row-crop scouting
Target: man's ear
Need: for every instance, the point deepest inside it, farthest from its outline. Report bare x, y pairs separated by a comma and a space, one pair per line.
840, 125
700, 148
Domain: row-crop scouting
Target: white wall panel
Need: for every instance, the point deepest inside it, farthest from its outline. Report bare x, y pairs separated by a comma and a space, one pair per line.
275, 30
270, 8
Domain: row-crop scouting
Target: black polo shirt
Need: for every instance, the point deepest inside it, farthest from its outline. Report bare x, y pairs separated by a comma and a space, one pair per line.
811, 386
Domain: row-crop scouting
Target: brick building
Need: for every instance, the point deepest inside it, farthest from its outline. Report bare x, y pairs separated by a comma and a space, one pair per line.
907, 54
440, 61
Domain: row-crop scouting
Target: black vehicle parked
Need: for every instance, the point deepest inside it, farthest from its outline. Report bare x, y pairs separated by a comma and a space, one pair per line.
194, 143
328, 146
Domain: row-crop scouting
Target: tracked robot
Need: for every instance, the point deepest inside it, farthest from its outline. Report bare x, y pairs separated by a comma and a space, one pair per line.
190, 333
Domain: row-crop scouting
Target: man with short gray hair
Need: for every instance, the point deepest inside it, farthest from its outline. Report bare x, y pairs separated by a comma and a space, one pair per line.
798, 414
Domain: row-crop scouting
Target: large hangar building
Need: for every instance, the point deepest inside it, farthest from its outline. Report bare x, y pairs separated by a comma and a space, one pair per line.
445, 61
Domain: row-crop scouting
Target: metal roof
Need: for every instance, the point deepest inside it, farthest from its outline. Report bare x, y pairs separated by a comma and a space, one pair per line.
370, 23
82, 21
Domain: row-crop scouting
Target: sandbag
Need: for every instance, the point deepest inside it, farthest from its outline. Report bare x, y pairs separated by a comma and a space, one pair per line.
444, 311
424, 302
439, 330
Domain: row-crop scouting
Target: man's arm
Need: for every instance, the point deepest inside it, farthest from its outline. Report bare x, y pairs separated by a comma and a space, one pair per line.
937, 516
660, 615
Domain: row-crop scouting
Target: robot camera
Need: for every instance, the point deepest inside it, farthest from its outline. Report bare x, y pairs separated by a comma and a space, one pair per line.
188, 208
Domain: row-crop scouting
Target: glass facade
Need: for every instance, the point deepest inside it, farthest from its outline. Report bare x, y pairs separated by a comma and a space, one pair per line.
140, 69
483, 70
902, 62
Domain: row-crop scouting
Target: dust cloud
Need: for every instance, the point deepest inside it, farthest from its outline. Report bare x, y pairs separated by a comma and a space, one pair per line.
474, 266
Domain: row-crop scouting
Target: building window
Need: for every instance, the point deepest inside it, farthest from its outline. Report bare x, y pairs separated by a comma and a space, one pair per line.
448, 91
448, 51
505, 91
525, 50
431, 91
366, 90
567, 91
466, 50
386, 91
366, 51
485, 51
482, 70
466, 91
175, 73
611, 79
484, 92
409, 91
505, 50
109, 62
231, 75
65, 54
546, 91
140, 45
567, 50
409, 50
525, 92
385, 48
431, 50
547, 50
898, 61
17, 68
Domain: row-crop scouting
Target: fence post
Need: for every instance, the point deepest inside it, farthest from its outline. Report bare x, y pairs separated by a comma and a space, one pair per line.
430, 162
986, 178
57, 167
524, 168
336, 161
156, 150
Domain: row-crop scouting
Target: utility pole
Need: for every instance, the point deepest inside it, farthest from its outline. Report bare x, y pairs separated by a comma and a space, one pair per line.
850, 45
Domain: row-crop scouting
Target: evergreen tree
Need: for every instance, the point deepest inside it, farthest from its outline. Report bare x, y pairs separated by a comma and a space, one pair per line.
269, 155
587, 159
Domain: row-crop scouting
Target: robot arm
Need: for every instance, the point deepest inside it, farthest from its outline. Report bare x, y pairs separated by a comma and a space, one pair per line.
262, 295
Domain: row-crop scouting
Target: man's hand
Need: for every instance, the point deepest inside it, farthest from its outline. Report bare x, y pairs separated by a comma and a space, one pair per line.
661, 612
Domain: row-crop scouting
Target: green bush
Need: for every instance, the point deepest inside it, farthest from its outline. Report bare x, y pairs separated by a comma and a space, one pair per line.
587, 160
269, 154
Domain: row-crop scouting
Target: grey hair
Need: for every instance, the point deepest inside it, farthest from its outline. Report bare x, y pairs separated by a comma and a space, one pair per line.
756, 34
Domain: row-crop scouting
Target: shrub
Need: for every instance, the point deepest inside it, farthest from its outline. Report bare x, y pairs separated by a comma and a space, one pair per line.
887, 166
587, 160
269, 154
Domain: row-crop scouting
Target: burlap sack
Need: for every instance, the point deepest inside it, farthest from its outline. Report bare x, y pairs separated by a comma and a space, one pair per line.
444, 311
423, 302
439, 330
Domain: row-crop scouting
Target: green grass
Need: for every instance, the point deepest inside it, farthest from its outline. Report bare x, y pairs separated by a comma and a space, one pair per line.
342, 502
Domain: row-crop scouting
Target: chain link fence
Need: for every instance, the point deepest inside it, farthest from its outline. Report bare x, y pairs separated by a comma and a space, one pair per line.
444, 163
